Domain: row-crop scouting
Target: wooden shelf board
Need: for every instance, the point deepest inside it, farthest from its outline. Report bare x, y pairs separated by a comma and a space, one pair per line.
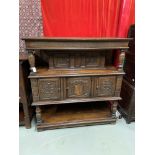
77, 38
75, 48
76, 124
72, 100
46, 72
71, 115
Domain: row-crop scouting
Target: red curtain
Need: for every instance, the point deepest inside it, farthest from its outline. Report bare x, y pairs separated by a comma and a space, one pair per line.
87, 18
126, 17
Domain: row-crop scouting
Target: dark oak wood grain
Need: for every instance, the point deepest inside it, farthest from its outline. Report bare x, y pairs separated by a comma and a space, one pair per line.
72, 115
76, 43
77, 100
46, 73
78, 70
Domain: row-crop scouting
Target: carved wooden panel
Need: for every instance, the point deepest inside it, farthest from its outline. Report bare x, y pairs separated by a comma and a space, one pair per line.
49, 89
61, 60
78, 87
92, 60
77, 60
105, 86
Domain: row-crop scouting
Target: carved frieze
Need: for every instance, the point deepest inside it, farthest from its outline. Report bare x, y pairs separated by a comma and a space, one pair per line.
80, 60
61, 60
92, 60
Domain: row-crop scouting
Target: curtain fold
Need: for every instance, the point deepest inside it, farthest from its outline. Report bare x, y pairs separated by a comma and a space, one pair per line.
126, 17
87, 18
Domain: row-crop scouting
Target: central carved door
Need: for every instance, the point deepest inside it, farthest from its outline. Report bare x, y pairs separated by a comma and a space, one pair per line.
78, 87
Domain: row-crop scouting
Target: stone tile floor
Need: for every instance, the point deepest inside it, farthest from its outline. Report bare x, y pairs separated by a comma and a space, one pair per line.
115, 139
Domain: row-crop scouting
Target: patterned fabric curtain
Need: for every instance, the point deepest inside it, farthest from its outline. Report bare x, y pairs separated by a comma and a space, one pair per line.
30, 20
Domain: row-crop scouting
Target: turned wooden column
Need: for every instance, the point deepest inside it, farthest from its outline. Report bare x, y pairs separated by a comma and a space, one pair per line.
38, 114
121, 59
114, 108
31, 58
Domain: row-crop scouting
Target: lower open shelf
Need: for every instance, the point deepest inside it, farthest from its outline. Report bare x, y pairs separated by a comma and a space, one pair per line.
71, 115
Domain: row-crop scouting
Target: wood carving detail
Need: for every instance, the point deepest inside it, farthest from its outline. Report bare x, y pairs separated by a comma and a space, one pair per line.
74, 70
61, 60
79, 87
80, 60
105, 86
49, 89
92, 60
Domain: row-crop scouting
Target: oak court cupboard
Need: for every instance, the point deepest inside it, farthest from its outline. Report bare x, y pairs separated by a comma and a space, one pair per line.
75, 82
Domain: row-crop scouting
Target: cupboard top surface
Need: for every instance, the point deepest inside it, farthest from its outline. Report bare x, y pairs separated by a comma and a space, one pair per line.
45, 72
77, 39
46, 43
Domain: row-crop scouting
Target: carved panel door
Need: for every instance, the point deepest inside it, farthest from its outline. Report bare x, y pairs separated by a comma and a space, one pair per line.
105, 86
49, 89
78, 87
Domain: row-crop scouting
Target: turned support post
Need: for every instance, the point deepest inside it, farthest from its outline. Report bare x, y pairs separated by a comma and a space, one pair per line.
114, 108
38, 114
31, 59
121, 59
